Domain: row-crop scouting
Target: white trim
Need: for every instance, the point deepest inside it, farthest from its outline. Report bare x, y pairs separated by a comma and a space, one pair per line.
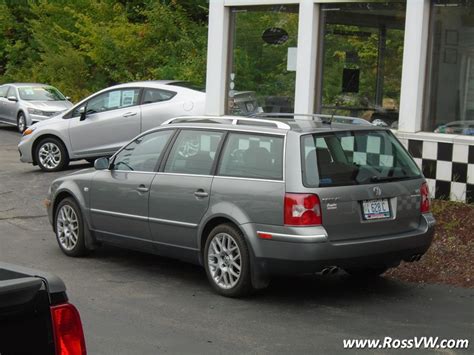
414, 65
259, 2
436, 137
308, 32
217, 58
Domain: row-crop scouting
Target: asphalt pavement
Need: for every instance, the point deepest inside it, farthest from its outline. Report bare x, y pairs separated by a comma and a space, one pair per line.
134, 303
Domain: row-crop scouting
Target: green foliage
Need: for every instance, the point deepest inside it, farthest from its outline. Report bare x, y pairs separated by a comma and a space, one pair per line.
82, 46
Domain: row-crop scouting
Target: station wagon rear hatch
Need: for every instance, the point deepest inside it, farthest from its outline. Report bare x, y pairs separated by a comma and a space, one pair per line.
367, 183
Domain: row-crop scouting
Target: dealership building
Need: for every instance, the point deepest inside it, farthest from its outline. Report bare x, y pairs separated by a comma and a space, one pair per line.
407, 64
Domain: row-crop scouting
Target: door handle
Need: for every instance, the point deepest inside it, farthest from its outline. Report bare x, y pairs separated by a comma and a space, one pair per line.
201, 193
129, 114
142, 188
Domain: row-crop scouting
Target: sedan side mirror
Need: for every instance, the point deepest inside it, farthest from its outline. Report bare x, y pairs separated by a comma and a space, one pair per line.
101, 164
82, 113
68, 98
12, 98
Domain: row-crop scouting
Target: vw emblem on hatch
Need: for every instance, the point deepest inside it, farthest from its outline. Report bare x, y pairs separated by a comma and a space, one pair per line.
377, 191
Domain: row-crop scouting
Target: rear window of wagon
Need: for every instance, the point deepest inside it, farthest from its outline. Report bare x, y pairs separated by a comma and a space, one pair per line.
354, 158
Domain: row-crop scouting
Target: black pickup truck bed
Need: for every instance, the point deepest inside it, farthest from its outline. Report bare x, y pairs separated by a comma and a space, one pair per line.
35, 316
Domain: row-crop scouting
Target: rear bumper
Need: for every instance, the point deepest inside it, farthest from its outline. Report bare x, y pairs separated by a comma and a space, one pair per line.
280, 256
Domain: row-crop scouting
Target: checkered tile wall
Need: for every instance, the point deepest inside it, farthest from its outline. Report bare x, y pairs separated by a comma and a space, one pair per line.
447, 167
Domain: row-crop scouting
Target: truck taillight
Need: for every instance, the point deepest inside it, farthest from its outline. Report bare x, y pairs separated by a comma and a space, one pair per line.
425, 198
302, 210
67, 328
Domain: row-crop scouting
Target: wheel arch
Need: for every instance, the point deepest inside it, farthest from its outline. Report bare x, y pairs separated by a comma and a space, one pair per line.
39, 139
258, 277
209, 226
90, 239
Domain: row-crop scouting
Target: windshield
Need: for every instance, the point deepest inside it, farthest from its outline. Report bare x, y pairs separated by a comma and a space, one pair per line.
353, 158
40, 93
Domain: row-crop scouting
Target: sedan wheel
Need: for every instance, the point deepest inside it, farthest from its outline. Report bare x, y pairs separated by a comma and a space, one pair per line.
51, 155
21, 123
69, 228
227, 261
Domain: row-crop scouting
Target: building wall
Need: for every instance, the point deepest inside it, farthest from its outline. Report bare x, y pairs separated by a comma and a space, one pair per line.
446, 160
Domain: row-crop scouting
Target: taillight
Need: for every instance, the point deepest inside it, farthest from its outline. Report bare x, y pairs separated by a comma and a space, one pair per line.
425, 198
302, 210
68, 333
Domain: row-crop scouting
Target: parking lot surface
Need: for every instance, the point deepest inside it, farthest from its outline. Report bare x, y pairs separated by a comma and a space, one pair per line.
134, 303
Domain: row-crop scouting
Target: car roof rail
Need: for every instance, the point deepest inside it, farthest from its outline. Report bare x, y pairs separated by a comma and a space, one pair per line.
324, 118
234, 120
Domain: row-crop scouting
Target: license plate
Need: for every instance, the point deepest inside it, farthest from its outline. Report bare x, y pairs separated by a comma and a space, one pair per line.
376, 209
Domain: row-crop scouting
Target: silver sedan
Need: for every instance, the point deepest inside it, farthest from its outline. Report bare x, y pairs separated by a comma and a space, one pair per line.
103, 122
23, 104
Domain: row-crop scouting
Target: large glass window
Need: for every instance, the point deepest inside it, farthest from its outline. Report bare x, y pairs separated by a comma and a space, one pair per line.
263, 70
450, 92
362, 53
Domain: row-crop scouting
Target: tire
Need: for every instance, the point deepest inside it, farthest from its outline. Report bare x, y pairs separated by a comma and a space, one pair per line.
21, 122
69, 228
51, 155
367, 272
222, 271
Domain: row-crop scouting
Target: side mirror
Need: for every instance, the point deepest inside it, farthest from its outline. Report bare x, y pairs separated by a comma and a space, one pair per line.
12, 98
68, 98
101, 164
82, 113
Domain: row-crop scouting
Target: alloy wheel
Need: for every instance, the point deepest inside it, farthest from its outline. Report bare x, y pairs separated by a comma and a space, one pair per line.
21, 123
67, 227
224, 260
49, 155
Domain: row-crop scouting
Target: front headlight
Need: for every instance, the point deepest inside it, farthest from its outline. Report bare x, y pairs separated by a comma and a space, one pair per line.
35, 111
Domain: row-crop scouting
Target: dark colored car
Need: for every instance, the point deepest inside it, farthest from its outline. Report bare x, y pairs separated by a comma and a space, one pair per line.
35, 315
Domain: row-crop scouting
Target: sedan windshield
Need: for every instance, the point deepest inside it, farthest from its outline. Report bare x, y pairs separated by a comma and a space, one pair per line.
40, 93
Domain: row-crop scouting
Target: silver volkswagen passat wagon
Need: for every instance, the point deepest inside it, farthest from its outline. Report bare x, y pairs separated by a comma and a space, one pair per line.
251, 198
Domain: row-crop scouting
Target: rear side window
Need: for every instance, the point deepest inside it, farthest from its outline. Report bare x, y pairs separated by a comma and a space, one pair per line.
252, 156
154, 95
193, 152
353, 158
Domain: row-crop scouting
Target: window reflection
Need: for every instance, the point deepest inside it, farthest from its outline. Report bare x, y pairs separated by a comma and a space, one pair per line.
450, 94
362, 53
263, 70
